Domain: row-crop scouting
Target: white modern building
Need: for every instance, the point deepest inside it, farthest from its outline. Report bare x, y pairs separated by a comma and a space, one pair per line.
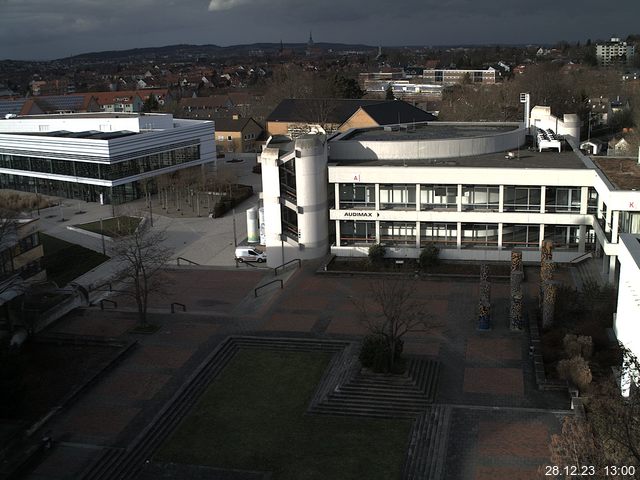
614, 51
476, 190
104, 157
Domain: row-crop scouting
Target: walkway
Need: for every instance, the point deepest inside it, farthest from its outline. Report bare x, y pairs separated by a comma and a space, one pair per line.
497, 425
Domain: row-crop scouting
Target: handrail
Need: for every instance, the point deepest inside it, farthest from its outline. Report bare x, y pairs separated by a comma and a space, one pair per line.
275, 270
115, 304
255, 290
186, 260
579, 258
102, 285
173, 305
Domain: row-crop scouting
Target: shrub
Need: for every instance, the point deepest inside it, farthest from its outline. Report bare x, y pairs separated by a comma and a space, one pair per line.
375, 354
428, 256
577, 345
575, 369
586, 346
571, 346
377, 253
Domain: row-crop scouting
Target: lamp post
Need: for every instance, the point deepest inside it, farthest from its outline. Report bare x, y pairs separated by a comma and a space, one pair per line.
104, 250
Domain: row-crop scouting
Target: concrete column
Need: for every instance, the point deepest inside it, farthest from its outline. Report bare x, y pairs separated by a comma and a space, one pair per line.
459, 239
582, 232
417, 198
600, 207
377, 190
584, 200
607, 223
418, 235
501, 203
612, 269
541, 236
377, 229
605, 264
338, 243
615, 224
459, 197
543, 198
337, 195
500, 236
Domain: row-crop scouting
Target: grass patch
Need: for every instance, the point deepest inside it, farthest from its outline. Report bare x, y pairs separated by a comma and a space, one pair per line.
147, 329
66, 261
113, 227
253, 418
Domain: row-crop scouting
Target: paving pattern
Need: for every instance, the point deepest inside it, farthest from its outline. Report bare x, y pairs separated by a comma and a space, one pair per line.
486, 419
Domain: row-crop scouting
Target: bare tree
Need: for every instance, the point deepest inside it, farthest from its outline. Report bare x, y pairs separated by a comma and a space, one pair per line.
391, 310
576, 445
142, 255
610, 432
615, 418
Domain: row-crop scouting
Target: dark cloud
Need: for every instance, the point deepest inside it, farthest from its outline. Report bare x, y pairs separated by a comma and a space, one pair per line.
51, 29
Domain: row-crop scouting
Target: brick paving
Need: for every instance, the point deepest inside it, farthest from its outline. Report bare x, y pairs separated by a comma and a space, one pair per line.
479, 370
495, 381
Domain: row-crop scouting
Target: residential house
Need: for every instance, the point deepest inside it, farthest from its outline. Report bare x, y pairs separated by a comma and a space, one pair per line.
76, 103
205, 107
237, 134
295, 117
119, 102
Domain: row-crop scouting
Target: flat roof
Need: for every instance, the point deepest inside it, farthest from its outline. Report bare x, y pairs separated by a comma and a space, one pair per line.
429, 131
623, 173
523, 159
86, 115
89, 134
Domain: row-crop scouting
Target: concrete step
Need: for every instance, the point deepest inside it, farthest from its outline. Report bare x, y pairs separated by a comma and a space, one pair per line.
427, 446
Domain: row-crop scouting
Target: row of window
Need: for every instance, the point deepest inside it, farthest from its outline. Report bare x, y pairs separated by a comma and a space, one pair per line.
112, 171
471, 234
474, 197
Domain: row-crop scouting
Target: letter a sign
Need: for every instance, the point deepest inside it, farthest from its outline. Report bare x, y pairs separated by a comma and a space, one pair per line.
356, 177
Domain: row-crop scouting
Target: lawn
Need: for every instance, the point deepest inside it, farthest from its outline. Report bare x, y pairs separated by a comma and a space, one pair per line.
253, 418
66, 261
39, 377
113, 227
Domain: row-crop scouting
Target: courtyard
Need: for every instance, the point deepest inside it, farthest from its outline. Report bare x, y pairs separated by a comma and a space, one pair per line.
497, 423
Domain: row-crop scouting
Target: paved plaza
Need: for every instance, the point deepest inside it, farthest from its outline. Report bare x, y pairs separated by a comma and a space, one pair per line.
500, 424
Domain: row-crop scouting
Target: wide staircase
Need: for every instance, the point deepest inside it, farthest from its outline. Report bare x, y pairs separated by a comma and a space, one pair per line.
344, 390
588, 271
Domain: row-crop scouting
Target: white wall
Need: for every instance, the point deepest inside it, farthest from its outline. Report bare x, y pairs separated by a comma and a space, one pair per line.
627, 322
431, 149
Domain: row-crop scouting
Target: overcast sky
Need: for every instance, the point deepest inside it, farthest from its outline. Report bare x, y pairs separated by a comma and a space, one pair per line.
48, 29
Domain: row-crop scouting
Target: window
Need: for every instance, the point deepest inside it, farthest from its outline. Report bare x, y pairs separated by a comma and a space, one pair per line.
442, 234
438, 197
479, 234
398, 196
287, 173
562, 199
481, 197
522, 199
629, 222
398, 233
357, 195
562, 236
354, 232
229, 138
290, 223
526, 236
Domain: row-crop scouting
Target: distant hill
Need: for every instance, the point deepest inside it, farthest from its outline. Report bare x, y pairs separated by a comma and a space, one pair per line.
206, 50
